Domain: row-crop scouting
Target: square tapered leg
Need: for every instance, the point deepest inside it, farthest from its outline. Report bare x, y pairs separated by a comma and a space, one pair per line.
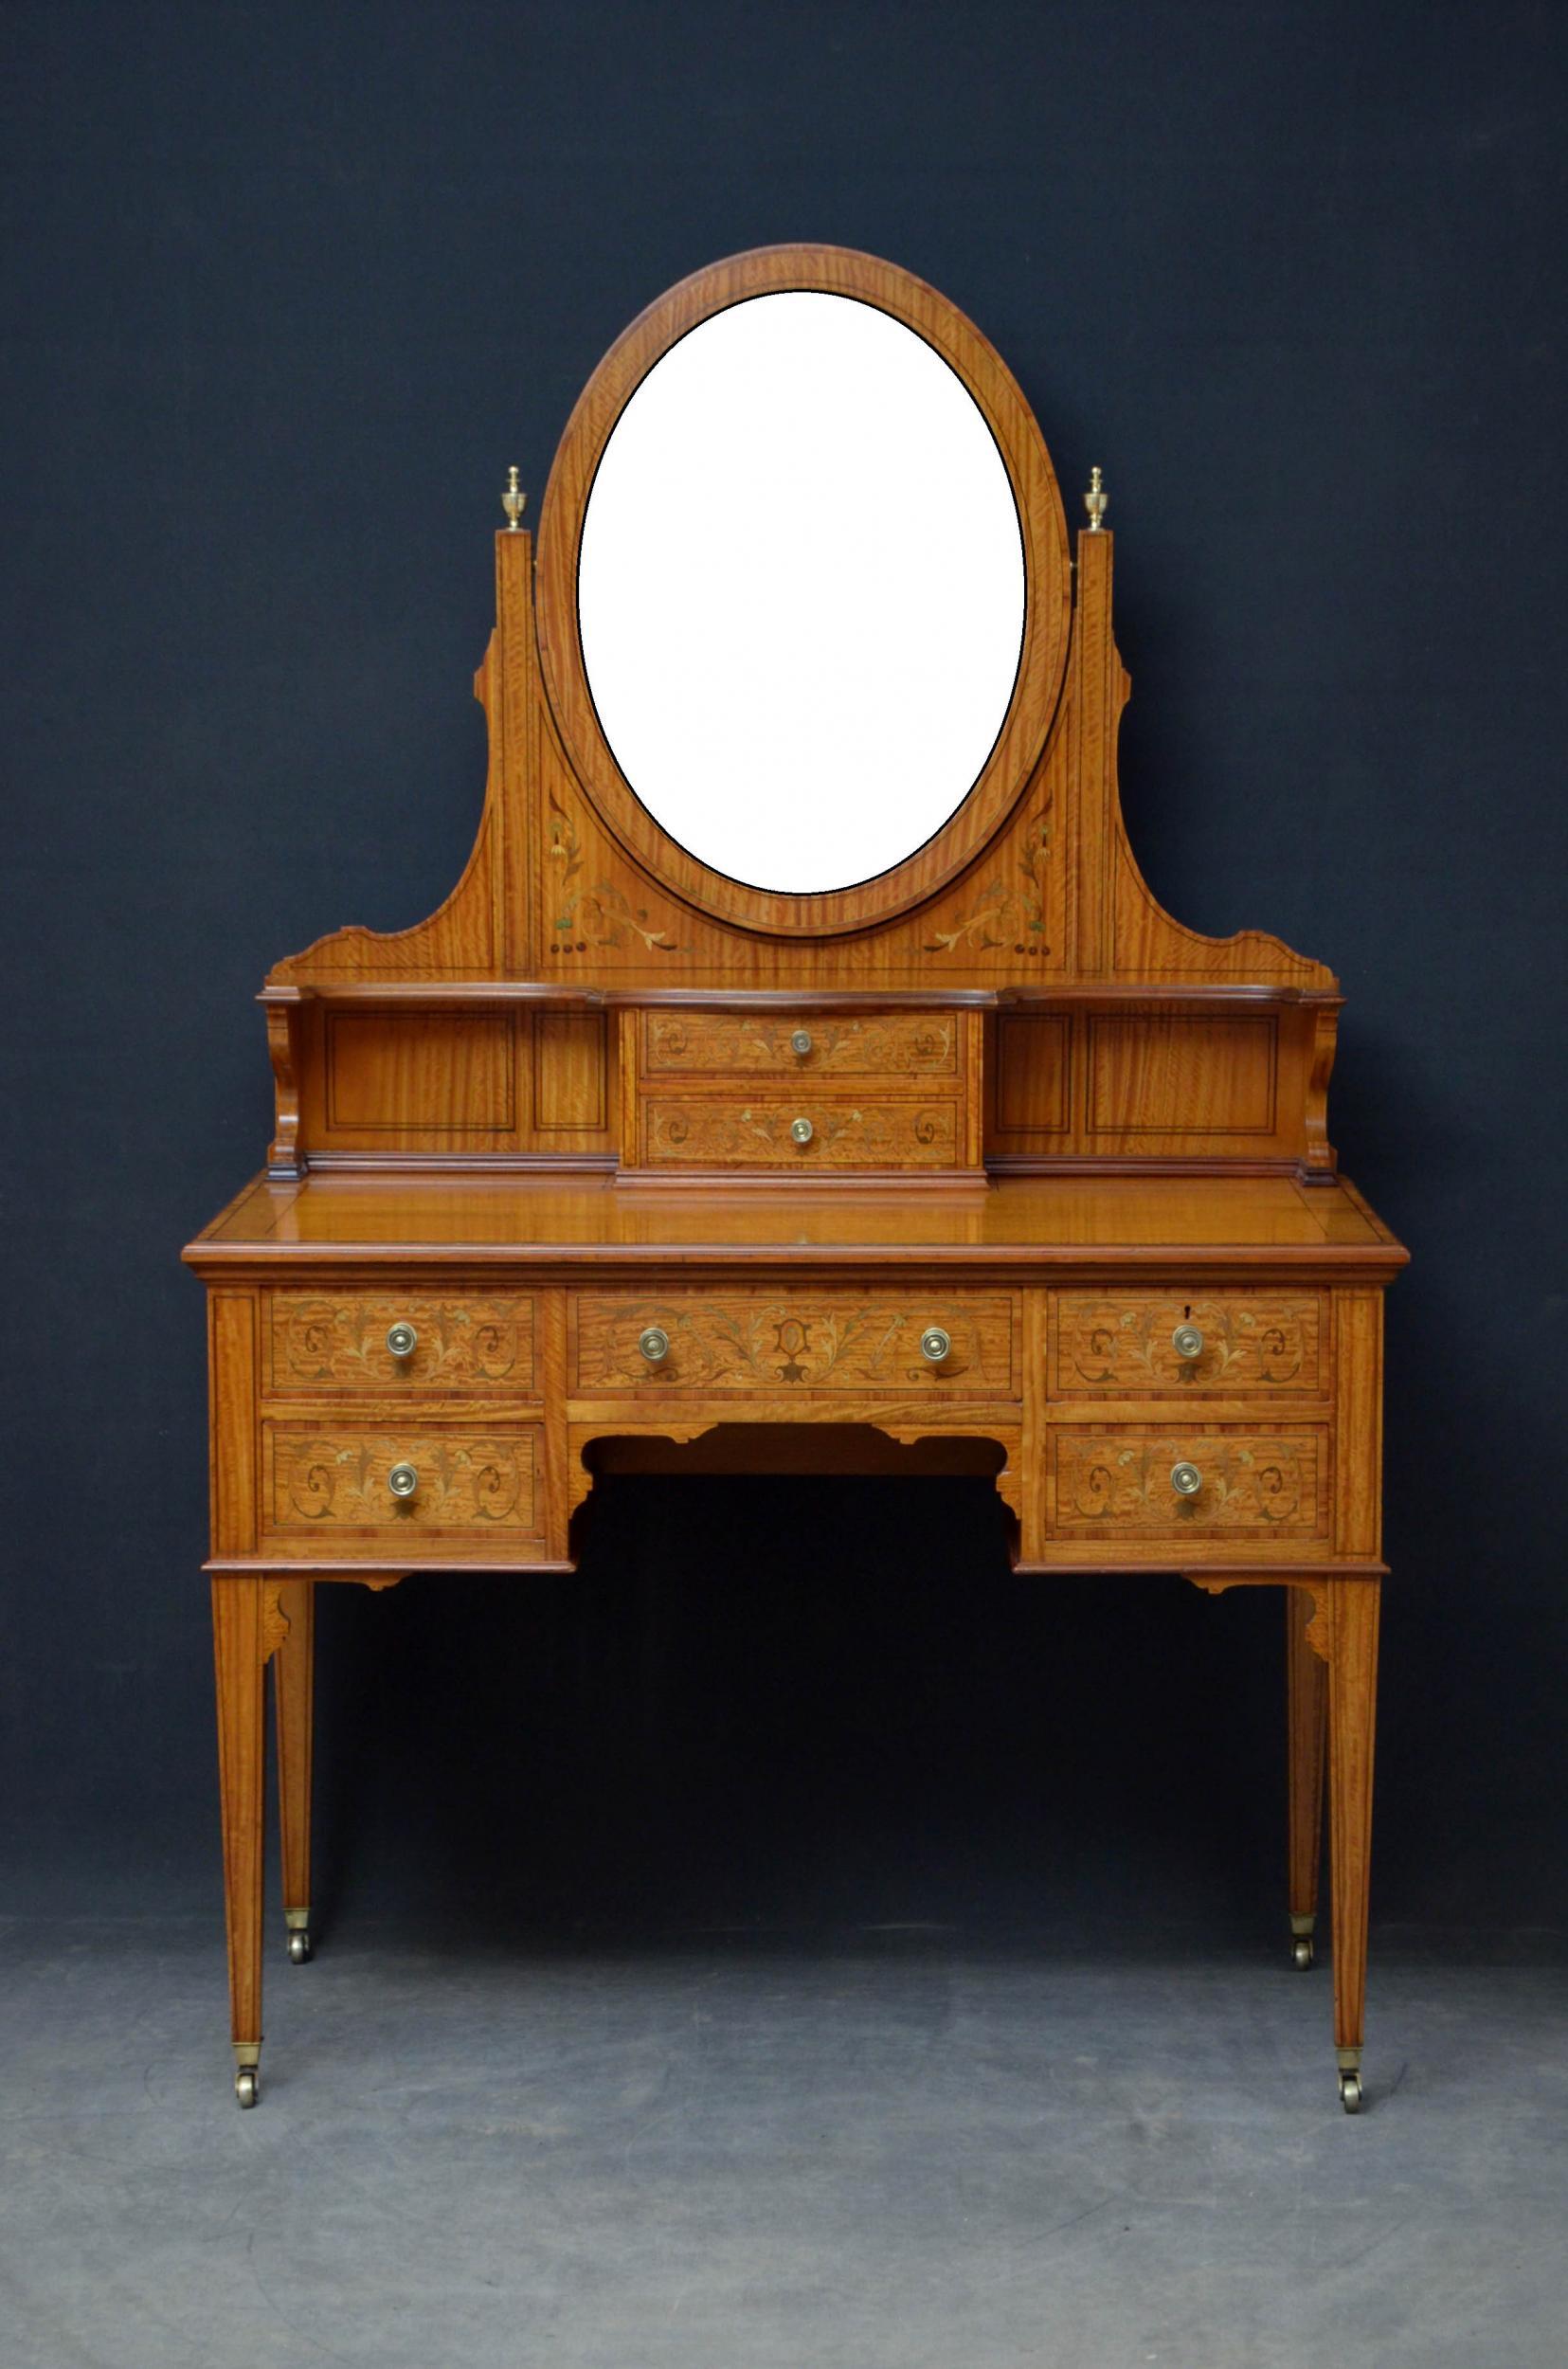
239, 1661
294, 1688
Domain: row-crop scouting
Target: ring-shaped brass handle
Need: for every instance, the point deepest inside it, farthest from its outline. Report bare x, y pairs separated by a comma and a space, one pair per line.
402, 1340
1186, 1479
934, 1344
1187, 1341
403, 1480
654, 1345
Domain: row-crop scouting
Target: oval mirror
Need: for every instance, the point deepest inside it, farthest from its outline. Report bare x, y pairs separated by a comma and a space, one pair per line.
800, 592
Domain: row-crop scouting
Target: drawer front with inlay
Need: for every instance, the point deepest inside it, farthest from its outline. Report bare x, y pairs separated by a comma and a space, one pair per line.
1119, 1486
1145, 1344
328, 1340
807, 1132
392, 1486
894, 1046
926, 1341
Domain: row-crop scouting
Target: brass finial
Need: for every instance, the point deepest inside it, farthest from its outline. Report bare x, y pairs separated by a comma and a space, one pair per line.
513, 501
1095, 502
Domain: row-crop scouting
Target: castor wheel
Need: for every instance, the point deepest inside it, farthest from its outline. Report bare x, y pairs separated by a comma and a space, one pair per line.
248, 2085
1302, 1952
299, 1947
1350, 2092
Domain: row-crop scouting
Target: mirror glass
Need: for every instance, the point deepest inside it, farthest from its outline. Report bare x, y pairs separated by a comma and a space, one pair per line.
800, 591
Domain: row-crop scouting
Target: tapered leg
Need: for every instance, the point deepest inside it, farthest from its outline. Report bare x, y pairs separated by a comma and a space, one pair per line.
240, 1660
1352, 1726
1307, 1741
294, 1686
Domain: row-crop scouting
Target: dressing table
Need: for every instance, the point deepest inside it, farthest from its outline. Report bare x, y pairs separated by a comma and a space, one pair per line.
800, 1076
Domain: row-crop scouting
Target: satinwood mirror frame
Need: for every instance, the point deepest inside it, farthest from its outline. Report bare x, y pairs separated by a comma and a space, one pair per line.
1047, 587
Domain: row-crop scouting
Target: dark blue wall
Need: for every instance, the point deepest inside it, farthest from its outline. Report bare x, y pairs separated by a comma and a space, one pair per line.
287, 289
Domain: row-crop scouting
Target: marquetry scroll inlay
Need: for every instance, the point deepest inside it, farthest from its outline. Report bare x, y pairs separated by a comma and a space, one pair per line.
327, 1481
339, 1340
1250, 1342
1119, 1483
699, 1133
1008, 910
805, 1342
589, 916
917, 1044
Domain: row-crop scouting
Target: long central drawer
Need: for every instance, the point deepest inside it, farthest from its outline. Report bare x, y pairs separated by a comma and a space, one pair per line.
892, 1344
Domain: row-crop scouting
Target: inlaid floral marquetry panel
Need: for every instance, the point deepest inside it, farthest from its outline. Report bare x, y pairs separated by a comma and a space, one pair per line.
915, 1044
1120, 1484
327, 1482
818, 1342
1127, 1345
843, 1134
338, 1341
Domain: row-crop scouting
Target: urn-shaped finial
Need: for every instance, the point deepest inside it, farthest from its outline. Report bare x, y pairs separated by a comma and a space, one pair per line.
1095, 502
513, 501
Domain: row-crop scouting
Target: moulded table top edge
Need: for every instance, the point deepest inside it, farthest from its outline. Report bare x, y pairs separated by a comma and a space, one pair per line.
1019, 1223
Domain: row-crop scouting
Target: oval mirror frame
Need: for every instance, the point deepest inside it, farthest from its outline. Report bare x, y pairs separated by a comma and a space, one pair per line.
1048, 588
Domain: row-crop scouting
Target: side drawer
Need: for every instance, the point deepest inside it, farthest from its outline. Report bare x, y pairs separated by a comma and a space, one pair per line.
1130, 1344
894, 1046
322, 1341
734, 1340
1112, 1485
333, 1483
807, 1132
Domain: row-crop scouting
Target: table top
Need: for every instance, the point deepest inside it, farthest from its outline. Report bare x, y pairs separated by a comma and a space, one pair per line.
1050, 1224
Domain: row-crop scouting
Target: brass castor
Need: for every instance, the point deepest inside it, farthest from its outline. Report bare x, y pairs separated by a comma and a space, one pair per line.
248, 2085
1302, 1952
299, 1947
1350, 2092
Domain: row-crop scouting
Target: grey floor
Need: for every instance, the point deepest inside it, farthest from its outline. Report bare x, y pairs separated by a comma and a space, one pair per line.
885, 2150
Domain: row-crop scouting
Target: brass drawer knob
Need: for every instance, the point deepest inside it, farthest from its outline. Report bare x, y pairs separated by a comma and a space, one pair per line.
403, 1480
800, 1043
402, 1340
1187, 1341
934, 1344
801, 1130
654, 1345
1186, 1479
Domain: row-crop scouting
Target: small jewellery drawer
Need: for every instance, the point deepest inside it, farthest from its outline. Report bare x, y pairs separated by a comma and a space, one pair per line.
719, 1342
1167, 1344
396, 1483
329, 1341
808, 1132
1173, 1483
890, 1045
